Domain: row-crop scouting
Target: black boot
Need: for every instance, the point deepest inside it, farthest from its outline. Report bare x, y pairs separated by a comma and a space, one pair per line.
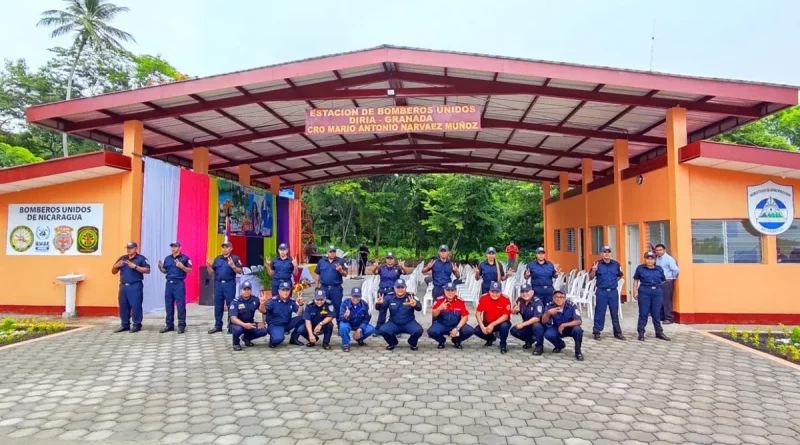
538, 350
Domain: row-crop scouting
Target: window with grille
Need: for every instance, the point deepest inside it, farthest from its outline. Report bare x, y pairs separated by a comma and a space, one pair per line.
789, 244
725, 242
657, 233
597, 239
558, 239
570, 240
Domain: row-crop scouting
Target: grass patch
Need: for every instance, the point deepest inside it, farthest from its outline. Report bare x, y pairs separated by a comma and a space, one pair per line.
14, 330
784, 344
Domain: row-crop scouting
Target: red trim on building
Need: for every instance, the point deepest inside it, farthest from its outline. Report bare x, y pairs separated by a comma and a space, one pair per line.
722, 318
83, 311
644, 167
740, 153
601, 182
65, 165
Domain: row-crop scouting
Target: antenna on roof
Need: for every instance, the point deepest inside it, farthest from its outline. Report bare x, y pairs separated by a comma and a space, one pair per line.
652, 44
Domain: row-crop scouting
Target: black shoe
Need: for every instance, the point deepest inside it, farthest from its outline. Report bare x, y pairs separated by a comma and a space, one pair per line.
596, 336
538, 350
214, 330
390, 348
579, 356
248, 343
296, 343
641, 337
414, 348
346, 348
271, 346
136, 329
667, 322
662, 336
375, 334
503, 350
164, 330
311, 345
121, 329
488, 343
326, 346
527, 346
237, 347
557, 350
360, 343
440, 346
181, 330
229, 330
458, 346
620, 337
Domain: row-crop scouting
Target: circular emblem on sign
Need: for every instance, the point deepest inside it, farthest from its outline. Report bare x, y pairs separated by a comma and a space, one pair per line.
21, 238
63, 239
771, 213
88, 239
42, 233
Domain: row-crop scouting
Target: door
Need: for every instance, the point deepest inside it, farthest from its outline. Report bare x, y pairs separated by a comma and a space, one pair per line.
612, 239
580, 249
633, 257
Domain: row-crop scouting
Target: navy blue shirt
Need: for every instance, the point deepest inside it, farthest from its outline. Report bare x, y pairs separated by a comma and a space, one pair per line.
315, 314
128, 275
244, 310
542, 274
173, 272
328, 275
441, 272
400, 310
607, 275
222, 270
389, 274
489, 271
283, 268
359, 313
568, 313
532, 309
279, 312
649, 277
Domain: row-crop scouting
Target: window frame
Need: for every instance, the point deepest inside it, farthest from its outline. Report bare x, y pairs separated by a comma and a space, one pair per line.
557, 239
597, 234
726, 247
571, 238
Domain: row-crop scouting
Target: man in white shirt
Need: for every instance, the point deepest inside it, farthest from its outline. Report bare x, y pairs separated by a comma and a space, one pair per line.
671, 271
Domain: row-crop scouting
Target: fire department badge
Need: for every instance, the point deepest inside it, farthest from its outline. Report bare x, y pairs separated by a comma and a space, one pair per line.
21, 238
88, 239
63, 240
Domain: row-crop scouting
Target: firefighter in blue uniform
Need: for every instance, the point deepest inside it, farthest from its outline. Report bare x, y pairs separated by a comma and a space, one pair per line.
402, 307
354, 317
242, 311
131, 268
318, 319
280, 268
175, 266
607, 273
530, 330
541, 272
389, 273
441, 268
562, 319
279, 312
647, 283
329, 273
224, 269
490, 270
450, 317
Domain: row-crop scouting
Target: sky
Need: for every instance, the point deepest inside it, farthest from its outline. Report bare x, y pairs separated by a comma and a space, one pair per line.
732, 39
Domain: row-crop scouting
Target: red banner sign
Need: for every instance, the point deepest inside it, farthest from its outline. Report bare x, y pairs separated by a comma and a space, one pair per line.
437, 118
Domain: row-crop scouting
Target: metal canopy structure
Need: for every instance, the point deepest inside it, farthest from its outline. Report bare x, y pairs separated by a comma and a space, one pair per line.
538, 118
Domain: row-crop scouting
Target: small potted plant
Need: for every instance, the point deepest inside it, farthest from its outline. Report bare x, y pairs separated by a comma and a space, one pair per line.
266, 282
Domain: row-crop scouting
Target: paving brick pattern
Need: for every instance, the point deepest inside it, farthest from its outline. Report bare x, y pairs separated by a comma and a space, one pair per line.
96, 387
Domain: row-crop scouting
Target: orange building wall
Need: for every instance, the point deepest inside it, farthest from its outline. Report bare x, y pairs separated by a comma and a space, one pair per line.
645, 201
562, 215
30, 283
601, 213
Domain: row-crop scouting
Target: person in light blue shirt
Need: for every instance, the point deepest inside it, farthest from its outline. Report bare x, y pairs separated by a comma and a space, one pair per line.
671, 271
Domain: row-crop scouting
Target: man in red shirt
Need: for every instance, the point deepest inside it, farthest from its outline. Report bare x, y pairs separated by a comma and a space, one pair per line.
512, 251
494, 315
450, 316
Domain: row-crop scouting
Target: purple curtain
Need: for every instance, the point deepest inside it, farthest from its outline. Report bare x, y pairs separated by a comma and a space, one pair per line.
283, 222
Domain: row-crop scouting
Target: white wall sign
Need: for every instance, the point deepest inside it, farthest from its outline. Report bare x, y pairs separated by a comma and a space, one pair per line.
770, 207
54, 229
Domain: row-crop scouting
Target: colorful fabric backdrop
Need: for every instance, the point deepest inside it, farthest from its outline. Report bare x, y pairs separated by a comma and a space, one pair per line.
193, 213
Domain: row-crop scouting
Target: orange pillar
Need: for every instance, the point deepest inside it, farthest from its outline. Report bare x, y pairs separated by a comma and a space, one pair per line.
200, 160
244, 175
680, 219
298, 192
274, 185
563, 184
547, 239
587, 177
132, 183
621, 162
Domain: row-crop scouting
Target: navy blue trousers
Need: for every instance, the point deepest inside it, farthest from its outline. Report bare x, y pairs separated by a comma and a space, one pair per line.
552, 335
248, 334
382, 312
301, 331
130, 304
440, 332
335, 295
501, 330
607, 299
175, 295
277, 333
545, 293
529, 334
390, 330
224, 294
650, 302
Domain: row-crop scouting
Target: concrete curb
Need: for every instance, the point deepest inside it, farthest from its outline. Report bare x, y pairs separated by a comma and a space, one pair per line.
789, 364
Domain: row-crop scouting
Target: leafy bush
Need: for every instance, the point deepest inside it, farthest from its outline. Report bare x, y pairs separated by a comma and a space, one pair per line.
756, 341
734, 334
794, 352
745, 337
13, 329
771, 343
795, 335
8, 325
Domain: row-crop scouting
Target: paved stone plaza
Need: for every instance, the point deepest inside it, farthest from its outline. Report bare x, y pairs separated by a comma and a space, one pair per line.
150, 388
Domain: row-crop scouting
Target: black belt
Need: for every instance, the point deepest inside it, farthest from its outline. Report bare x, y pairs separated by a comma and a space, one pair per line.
654, 287
331, 285
283, 280
128, 284
224, 281
544, 286
175, 281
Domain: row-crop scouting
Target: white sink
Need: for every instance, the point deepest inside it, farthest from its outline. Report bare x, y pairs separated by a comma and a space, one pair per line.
70, 292
72, 278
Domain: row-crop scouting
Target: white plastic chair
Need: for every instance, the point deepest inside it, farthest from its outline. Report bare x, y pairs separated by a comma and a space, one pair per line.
584, 298
427, 299
620, 284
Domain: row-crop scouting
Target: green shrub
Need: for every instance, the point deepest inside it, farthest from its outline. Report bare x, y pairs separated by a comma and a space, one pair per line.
745, 337
795, 335
734, 334
771, 343
794, 352
8, 325
785, 330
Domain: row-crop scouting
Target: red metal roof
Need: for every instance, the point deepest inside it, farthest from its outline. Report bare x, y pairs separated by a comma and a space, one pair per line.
742, 158
539, 118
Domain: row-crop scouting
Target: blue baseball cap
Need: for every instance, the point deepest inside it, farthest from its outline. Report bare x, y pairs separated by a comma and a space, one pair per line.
331, 248
247, 285
283, 246
175, 244
540, 250
450, 286
131, 245
284, 286
649, 255
400, 283
226, 244
355, 292
525, 287
495, 287
491, 250
390, 255
320, 294
606, 249
444, 248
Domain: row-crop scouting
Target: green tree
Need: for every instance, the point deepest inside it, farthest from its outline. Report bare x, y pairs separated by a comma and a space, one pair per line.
781, 131
88, 21
11, 156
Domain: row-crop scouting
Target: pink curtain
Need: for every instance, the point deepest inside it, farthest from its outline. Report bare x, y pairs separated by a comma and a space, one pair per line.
294, 226
192, 224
